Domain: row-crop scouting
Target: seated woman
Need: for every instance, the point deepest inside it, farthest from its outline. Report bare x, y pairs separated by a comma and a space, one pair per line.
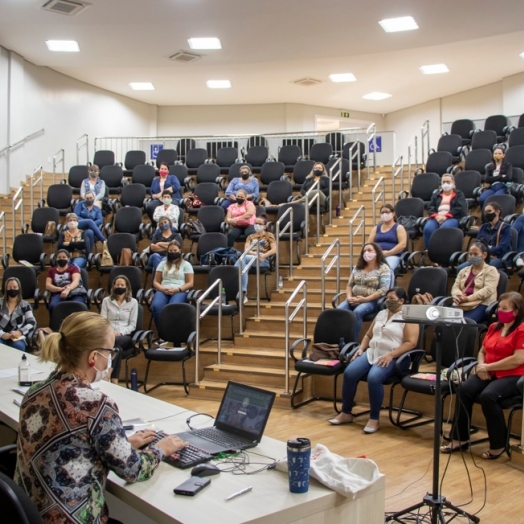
318, 173
63, 280
162, 237
75, 241
268, 247
94, 185
390, 236
87, 435
475, 287
174, 277
446, 208
167, 209
121, 310
90, 216
241, 217
166, 182
17, 321
499, 175
369, 281
500, 363
375, 359
247, 182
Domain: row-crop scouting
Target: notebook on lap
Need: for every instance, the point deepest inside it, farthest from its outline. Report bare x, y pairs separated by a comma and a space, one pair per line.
240, 421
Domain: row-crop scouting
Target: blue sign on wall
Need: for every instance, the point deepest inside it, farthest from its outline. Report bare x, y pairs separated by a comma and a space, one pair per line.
155, 149
378, 141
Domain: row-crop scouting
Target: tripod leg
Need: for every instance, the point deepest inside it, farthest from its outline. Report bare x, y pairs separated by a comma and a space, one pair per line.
405, 511
461, 512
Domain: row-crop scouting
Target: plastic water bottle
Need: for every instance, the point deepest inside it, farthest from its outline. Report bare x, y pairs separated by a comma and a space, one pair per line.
223, 296
24, 372
280, 282
134, 380
337, 210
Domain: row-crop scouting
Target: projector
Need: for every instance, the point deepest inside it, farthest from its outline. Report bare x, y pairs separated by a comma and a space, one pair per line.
432, 313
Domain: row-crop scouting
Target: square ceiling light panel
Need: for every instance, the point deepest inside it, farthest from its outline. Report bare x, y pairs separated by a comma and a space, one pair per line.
342, 77
434, 69
204, 43
141, 86
395, 25
63, 46
375, 95
218, 84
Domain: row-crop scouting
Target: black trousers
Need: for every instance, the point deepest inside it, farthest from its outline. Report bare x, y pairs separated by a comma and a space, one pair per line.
488, 393
235, 232
125, 344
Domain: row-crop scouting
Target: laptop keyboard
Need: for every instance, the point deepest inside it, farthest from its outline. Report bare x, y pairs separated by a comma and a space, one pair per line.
222, 439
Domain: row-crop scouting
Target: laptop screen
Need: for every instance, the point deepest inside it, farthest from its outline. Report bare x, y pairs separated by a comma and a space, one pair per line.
245, 410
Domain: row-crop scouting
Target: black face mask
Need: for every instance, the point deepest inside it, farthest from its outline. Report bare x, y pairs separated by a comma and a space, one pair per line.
173, 256
317, 172
13, 293
490, 216
245, 176
240, 200
120, 290
61, 263
89, 201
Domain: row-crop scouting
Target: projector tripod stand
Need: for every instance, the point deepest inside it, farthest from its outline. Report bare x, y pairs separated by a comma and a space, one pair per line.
435, 501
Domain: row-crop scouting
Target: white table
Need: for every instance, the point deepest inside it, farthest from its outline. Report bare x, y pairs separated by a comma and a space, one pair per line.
269, 502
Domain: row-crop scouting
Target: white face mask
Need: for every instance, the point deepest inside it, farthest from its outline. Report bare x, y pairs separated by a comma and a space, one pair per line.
102, 374
386, 217
73, 224
259, 228
368, 256
447, 186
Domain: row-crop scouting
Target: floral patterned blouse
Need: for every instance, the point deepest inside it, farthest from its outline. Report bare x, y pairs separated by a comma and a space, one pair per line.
70, 436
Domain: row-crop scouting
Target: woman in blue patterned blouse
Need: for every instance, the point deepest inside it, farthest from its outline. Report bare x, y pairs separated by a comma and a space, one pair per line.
71, 435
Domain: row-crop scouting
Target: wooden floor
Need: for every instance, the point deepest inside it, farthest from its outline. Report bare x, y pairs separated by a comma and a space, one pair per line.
405, 457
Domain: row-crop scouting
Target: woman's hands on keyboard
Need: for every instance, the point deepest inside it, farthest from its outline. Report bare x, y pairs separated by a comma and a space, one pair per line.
170, 445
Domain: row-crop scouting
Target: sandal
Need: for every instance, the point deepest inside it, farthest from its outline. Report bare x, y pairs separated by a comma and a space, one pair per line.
487, 455
447, 450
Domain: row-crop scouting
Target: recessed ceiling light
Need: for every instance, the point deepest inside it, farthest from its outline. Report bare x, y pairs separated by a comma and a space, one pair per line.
64, 46
434, 69
376, 96
142, 86
218, 84
393, 25
204, 43
342, 77
522, 56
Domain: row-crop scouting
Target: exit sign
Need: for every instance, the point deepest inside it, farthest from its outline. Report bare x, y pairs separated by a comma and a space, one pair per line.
344, 114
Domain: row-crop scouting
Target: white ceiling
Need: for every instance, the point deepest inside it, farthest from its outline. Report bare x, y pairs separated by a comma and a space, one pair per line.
268, 44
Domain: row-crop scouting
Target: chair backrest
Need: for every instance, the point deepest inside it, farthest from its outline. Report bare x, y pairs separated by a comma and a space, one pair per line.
134, 158
443, 243
439, 162
257, 140
271, 171
458, 341
169, 156
424, 184
17, 507
104, 157
257, 155
41, 216
507, 203
208, 173
334, 324
503, 282
213, 147
196, 157
483, 139
118, 241
77, 174
176, 332
27, 277
496, 123
410, 207
289, 155
477, 159
301, 170
299, 216
207, 192
59, 196
227, 156
344, 164
210, 241
128, 220
321, 152
432, 280
305, 144
467, 182
211, 217
279, 191
112, 176
516, 137
62, 310
180, 171
133, 273
229, 277
28, 246
133, 195
515, 156
234, 170
361, 147
143, 174
450, 143
463, 128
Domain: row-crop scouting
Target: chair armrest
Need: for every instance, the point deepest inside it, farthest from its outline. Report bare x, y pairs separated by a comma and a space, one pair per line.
145, 335
306, 342
5, 260
148, 296
415, 362
413, 257
42, 261
336, 299
348, 352
454, 258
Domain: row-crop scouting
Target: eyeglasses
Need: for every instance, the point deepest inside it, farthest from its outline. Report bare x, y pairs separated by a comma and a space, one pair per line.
113, 352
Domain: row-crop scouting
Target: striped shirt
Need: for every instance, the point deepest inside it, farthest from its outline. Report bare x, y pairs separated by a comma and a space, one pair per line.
22, 318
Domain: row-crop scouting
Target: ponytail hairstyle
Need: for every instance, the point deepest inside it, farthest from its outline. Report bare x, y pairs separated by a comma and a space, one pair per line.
80, 334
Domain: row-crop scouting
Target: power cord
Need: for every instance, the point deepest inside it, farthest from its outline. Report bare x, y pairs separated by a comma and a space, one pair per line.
239, 463
197, 415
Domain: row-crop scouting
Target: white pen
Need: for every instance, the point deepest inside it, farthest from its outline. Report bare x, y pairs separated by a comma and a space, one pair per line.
238, 493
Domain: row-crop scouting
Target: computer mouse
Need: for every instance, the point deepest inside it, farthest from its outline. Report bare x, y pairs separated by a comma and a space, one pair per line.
204, 470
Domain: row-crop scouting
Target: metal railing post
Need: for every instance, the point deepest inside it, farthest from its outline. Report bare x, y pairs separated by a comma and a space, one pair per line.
371, 136
326, 270
412, 152
310, 200
3, 231
255, 259
332, 176
61, 160
376, 198
354, 152
34, 182
396, 169
289, 318
20, 142
82, 142
279, 233
424, 139
353, 231
18, 202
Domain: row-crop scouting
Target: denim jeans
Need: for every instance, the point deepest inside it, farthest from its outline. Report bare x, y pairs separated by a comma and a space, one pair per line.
432, 225
161, 299
519, 226
245, 276
18, 344
154, 260
56, 299
361, 369
477, 313
488, 192
393, 262
495, 262
86, 224
361, 310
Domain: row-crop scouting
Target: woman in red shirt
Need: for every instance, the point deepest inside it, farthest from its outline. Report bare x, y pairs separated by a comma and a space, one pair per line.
500, 364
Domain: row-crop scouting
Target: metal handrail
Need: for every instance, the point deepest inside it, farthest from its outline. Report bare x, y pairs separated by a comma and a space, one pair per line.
310, 200
353, 231
289, 318
255, 245
20, 142
395, 171
375, 198
354, 152
412, 152
80, 146
19, 195
200, 315
371, 133
326, 270
278, 234
61, 160
34, 182
3, 231
334, 176
424, 134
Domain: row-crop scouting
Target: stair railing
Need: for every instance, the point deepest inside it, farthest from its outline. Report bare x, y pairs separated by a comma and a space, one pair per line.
3, 231
334, 175
255, 260
355, 228
354, 152
326, 268
424, 139
34, 182
18, 203
377, 197
59, 158
412, 159
371, 138
278, 233
397, 169
312, 196
81, 143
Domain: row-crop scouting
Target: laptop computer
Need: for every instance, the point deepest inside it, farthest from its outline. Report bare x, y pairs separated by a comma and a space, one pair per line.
240, 421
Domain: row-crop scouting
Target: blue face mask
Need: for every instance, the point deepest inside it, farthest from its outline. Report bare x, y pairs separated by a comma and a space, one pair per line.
165, 226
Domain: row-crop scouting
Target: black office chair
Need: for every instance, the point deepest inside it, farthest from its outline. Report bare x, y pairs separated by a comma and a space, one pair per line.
465, 128
17, 507
483, 140
452, 144
289, 155
180, 334
39, 219
299, 227
207, 242
477, 159
62, 310
103, 158
143, 174
256, 156
300, 171
133, 158
77, 174
27, 247
169, 156
59, 196
28, 280
270, 172
332, 325
499, 124
424, 185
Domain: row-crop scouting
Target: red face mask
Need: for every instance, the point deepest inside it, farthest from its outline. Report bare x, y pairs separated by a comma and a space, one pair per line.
163, 173
505, 316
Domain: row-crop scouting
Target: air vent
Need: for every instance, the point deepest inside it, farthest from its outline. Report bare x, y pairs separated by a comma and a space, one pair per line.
185, 57
64, 7
306, 82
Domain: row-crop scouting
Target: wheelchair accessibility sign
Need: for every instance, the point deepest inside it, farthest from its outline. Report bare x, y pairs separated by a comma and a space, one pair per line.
378, 141
155, 149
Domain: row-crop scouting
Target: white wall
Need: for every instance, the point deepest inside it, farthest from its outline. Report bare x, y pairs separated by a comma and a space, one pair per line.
513, 90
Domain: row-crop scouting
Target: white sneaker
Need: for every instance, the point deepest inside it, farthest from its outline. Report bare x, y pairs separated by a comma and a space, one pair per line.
520, 262
246, 300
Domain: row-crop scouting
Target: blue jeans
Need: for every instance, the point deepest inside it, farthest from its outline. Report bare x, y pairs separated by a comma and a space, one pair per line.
495, 262
154, 260
361, 369
245, 276
519, 226
161, 299
432, 225
56, 298
86, 224
361, 310
488, 192
19, 344
477, 314
393, 262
